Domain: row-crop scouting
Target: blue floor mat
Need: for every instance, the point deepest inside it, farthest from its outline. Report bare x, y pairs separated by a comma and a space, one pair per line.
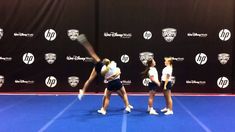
33, 113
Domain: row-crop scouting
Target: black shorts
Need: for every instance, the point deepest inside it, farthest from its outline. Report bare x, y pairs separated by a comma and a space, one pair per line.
114, 85
152, 86
168, 85
98, 67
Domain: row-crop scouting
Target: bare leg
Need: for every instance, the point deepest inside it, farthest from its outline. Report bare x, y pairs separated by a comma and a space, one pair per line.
151, 110
125, 98
151, 98
165, 96
107, 99
169, 99
90, 79
87, 83
105, 102
86, 44
103, 99
120, 94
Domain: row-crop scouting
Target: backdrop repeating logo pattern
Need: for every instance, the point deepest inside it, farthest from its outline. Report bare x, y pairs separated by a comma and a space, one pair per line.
223, 82
144, 56
1, 80
50, 58
223, 58
202, 53
201, 58
1, 33
73, 34
169, 34
50, 34
73, 81
28, 58
125, 58
146, 82
224, 34
51, 81
147, 35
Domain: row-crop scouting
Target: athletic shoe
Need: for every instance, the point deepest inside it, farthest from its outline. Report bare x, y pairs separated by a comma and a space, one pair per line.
148, 109
82, 39
128, 109
102, 111
81, 94
169, 112
131, 106
153, 112
164, 109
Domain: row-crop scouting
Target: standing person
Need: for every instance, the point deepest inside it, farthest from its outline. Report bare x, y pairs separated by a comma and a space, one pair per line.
166, 84
114, 85
152, 74
111, 74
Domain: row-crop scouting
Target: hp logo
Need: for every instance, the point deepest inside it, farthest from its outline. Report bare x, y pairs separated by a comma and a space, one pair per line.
51, 81
147, 35
28, 58
50, 34
125, 58
146, 82
224, 34
201, 58
223, 82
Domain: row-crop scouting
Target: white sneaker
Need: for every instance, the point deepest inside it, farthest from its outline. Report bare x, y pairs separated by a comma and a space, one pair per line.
169, 112
102, 111
128, 109
164, 109
153, 112
81, 94
131, 106
148, 109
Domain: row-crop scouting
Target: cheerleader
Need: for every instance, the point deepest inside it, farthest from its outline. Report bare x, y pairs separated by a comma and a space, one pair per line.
110, 72
152, 74
166, 84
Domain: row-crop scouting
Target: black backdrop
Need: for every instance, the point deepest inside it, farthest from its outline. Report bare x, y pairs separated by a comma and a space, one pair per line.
100, 18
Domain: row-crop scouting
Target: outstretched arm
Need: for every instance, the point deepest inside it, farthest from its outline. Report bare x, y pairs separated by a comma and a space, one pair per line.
116, 74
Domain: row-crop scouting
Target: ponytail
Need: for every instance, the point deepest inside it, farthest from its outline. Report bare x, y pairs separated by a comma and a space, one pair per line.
145, 72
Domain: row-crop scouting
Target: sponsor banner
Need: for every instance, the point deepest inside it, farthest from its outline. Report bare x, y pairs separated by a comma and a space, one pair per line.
2, 80
51, 81
50, 34
73, 34
117, 35
195, 82
169, 34
21, 81
126, 82
200, 35
144, 56
223, 58
73, 81
5, 58
224, 34
79, 58
19, 34
50, 58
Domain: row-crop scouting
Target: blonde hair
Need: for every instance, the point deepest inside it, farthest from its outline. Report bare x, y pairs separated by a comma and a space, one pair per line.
169, 59
106, 61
